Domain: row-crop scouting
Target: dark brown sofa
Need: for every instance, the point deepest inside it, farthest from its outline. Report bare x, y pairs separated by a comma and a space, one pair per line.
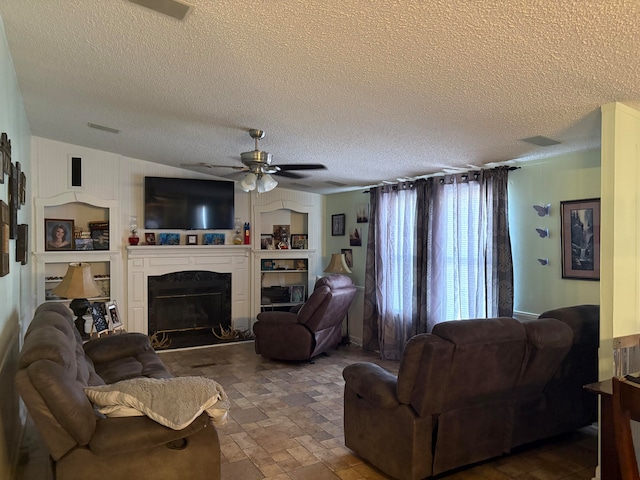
313, 329
472, 390
54, 367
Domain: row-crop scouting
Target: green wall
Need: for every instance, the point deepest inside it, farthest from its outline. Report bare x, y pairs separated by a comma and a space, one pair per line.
568, 177
348, 204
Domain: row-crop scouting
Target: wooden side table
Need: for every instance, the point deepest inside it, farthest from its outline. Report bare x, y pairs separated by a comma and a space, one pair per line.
609, 468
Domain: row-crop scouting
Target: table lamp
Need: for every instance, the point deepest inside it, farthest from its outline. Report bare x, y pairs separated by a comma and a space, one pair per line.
337, 264
78, 284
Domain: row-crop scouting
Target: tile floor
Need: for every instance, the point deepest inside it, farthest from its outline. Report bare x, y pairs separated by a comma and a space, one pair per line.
286, 423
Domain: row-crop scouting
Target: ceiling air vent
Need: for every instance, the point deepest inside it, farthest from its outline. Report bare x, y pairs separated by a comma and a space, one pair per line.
541, 141
103, 128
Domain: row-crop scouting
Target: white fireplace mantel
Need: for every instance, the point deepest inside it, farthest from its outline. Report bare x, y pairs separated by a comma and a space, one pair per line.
145, 261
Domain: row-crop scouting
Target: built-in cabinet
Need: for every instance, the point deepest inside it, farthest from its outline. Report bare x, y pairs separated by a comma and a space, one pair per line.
282, 273
51, 266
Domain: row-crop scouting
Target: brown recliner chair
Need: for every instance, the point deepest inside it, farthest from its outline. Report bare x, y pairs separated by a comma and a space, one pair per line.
313, 329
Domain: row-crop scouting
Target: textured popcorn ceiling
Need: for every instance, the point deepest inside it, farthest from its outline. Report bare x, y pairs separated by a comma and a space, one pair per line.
376, 89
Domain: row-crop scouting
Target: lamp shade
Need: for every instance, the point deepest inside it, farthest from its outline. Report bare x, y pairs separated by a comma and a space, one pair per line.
248, 183
337, 264
266, 183
77, 282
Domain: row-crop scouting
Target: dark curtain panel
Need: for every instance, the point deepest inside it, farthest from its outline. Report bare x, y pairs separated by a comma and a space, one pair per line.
424, 190
497, 180
370, 320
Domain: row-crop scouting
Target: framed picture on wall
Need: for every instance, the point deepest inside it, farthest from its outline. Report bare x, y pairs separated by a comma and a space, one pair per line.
348, 256
59, 234
337, 224
580, 239
192, 239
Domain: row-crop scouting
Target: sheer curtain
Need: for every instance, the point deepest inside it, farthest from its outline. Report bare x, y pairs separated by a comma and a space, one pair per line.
439, 249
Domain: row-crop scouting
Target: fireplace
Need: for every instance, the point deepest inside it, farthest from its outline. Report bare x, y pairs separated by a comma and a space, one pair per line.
188, 308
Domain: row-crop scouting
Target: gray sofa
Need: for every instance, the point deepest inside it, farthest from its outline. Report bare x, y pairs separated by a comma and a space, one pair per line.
54, 367
473, 390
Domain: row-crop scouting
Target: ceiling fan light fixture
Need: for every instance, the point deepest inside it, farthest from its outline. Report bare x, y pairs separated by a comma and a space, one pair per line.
248, 183
266, 183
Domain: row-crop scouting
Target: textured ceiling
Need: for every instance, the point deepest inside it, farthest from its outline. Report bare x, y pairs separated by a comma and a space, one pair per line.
375, 89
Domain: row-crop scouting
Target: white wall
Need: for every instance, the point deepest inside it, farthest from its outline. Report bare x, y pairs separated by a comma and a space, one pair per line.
16, 288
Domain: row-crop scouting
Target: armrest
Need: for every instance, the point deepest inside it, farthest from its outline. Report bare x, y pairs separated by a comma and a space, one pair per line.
278, 318
373, 383
129, 434
113, 347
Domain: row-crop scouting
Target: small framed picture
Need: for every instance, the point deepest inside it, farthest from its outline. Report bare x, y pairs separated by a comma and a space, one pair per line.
299, 241
114, 316
213, 239
192, 239
266, 241
348, 256
99, 315
362, 213
169, 239
337, 224
580, 239
59, 234
150, 238
297, 293
355, 239
267, 265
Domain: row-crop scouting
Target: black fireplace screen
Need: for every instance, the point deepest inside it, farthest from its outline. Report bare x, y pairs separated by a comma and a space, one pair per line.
189, 300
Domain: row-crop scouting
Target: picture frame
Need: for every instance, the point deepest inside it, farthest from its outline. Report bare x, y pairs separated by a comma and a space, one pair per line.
169, 239
213, 239
355, 237
580, 239
99, 314
267, 265
150, 238
14, 203
58, 234
192, 239
300, 241
301, 264
266, 241
5, 151
297, 293
4, 239
362, 213
348, 256
22, 244
114, 315
337, 224
84, 244
281, 239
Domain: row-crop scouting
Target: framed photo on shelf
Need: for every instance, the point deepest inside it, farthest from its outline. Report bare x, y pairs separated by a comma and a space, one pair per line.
114, 316
266, 241
337, 224
297, 293
213, 239
59, 234
99, 315
192, 239
150, 238
299, 241
169, 239
580, 239
267, 265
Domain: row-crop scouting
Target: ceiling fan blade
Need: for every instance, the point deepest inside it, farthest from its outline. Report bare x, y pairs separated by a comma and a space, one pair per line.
301, 166
282, 173
211, 165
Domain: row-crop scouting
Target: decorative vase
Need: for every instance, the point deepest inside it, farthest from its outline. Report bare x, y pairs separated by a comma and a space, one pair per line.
134, 239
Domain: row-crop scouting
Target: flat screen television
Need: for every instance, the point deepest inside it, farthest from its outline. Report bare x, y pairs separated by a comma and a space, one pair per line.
188, 204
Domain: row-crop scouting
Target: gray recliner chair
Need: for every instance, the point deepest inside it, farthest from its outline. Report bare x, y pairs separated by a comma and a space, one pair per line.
315, 328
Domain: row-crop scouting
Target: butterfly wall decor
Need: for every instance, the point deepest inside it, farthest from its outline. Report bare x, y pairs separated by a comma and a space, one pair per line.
543, 210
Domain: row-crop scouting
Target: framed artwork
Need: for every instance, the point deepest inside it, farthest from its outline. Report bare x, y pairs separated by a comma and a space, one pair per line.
301, 264
266, 241
5, 155
114, 315
100, 238
150, 238
337, 224
297, 293
22, 244
192, 239
355, 239
59, 234
580, 239
299, 241
213, 239
362, 213
4, 239
99, 315
281, 236
348, 256
267, 265
169, 239
83, 244
14, 203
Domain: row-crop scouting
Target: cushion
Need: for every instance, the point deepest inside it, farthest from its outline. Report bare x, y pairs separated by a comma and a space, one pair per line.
172, 402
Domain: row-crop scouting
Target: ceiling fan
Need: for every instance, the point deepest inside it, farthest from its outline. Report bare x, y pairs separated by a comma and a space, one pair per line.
258, 165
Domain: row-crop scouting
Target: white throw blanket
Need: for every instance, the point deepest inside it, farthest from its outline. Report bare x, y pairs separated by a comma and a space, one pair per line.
173, 402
